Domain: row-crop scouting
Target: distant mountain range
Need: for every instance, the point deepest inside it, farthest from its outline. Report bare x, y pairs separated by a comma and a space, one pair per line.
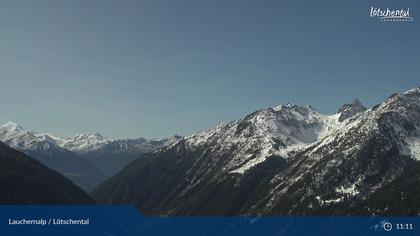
287, 160
24, 180
86, 159
111, 155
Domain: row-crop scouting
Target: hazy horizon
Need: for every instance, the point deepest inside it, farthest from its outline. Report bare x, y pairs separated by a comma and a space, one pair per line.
154, 69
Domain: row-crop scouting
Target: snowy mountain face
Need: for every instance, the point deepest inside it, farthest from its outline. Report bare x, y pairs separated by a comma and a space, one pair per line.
16, 136
85, 142
288, 160
280, 131
353, 163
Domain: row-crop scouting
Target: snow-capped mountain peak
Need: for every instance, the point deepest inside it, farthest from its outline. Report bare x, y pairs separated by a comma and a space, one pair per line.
277, 131
86, 142
350, 110
11, 127
46, 137
90, 137
413, 91
17, 136
290, 106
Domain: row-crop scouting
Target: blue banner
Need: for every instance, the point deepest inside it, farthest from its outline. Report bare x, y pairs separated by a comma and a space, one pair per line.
126, 220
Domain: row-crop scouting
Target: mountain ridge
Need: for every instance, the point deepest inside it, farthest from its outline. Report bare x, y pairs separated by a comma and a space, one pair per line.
288, 160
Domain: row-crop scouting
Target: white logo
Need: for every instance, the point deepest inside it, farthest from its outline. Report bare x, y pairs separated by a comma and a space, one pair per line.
387, 14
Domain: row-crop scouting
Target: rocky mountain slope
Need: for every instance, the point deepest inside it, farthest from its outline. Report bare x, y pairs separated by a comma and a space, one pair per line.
24, 180
288, 160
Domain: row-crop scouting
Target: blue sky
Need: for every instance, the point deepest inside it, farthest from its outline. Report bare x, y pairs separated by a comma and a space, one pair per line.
157, 68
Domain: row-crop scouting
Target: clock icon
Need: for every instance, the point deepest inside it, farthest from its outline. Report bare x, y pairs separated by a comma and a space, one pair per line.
387, 226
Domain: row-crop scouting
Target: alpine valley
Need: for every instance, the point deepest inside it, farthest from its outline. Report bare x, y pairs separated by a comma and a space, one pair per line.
86, 159
287, 160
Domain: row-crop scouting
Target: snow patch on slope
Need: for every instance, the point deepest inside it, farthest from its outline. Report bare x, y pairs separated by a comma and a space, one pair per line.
351, 190
413, 147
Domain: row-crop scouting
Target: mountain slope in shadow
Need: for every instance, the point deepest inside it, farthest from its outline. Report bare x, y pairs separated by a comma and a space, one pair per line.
24, 180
